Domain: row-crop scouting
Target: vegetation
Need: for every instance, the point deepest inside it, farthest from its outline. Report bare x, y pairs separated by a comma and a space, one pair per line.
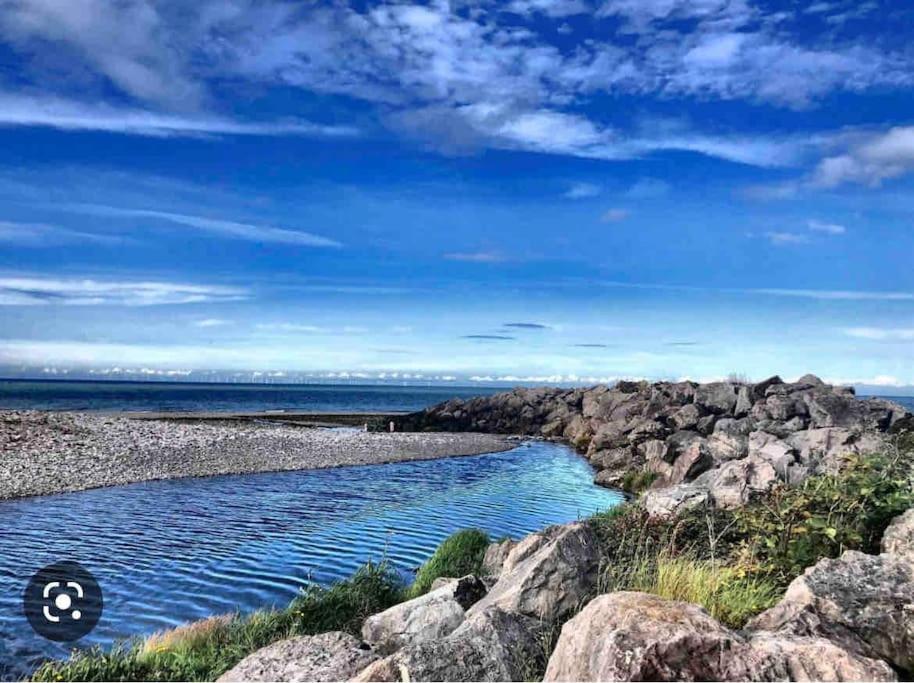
636, 481
737, 563
459, 554
206, 649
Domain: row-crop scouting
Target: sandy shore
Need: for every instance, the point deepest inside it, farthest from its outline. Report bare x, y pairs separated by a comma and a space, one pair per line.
42, 453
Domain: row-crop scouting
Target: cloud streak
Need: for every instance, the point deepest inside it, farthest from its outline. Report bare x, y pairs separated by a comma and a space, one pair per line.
32, 291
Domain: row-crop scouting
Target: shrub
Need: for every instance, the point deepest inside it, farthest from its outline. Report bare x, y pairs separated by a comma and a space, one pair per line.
794, 527
204, 650
636, 481
459, 554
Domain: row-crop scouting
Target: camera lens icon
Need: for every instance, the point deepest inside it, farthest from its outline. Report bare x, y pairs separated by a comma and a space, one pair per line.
63, 602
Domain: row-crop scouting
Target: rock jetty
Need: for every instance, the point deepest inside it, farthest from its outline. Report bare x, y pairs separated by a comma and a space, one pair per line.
718, 443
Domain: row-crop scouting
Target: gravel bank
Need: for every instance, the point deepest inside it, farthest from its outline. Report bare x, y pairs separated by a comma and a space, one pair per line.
42, 453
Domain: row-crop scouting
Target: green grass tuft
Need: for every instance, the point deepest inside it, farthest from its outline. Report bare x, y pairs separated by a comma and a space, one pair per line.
459, 554
204, 650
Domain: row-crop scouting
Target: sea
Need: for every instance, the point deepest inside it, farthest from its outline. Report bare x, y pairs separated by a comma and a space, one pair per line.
117, 396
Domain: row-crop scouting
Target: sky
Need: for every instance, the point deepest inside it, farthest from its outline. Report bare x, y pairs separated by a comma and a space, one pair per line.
533, 190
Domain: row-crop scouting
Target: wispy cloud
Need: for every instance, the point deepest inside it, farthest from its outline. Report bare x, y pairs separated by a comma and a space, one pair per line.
870, 159
488, 337
230, 229
880, 333
614, 215
583, 191
212, 322
476, 256
827, 228
527, 326
44, 235
591, 346
782, 238
50, 112
30, 291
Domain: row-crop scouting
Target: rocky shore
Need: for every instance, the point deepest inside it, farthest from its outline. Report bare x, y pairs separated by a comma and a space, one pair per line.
688, 443
44, 452
845, 619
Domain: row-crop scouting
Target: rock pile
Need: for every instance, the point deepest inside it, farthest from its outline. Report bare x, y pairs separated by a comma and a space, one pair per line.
846, 619
720, 442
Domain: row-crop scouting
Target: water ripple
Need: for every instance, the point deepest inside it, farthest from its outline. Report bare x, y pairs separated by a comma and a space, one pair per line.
171, 551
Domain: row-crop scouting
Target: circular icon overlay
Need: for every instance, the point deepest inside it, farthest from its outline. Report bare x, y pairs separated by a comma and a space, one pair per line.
63, 602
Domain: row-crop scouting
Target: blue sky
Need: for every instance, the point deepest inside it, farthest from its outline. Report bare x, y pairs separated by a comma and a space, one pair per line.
574, 190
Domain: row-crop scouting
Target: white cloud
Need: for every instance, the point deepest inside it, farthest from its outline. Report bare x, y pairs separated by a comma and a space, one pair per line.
835, 295
870, 160
554, 9
30, 291
230, 229
212, 322
50, 112
476, 256
582, 191
43, 235
781, 239
880, 333
827, 228
614, 215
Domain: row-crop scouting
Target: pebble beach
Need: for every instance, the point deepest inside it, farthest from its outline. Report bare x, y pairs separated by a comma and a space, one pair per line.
54, 452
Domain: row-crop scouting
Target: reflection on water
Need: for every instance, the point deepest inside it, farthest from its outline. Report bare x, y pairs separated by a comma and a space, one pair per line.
172, 551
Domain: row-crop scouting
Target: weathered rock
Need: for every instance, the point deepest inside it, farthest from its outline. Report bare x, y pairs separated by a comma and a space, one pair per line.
428, 617
864, 603
692, 461
770, 657
771, 449
550, 582
334, 656
735, 483
664, 502
743, 401
825, 450
899, 536
730, 440
496, 553
717, 397
640, 637
687, 417
492, 645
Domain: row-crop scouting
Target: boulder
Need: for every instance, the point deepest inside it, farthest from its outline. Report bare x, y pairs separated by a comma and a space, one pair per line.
730, 439
687, 417
496, 553
824, 450
631, 636
734, 483
665, 502
552, 580
760, 390
899, 536
771, 449
334, 656
716, 397
692, 461
770, 657
428, 617
491, 645
864, 603
743, 401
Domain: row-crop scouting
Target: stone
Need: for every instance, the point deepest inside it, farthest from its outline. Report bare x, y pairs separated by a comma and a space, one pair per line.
770, 657
665, 502
743, 401
686, 417
550, 582
826, 449
899, 536
717, 397
760, 389
629, 636
864, 603
496, 553
730, 439
492, 645
767, 447
734, 483
334, 656
694, 460
428, 617
811, 380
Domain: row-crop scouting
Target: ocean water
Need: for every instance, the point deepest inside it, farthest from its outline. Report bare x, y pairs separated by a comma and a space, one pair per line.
186, 396
168, 552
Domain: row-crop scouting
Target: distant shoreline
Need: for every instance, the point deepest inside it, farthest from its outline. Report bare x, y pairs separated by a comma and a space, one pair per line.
48, 452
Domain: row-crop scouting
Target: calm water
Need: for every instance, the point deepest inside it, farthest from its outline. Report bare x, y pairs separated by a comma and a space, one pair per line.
171, 551
178, 396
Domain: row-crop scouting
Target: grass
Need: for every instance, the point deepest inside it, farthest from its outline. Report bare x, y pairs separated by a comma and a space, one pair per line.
204, 650
636, 481
459, 554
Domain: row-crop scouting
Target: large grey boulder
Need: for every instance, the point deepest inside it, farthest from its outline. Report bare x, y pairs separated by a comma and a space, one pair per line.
496, 553
548, 577
771, 657
334, 656
735, 483
492, 645
630, 636
428, 617
864, 603
899, 536
665, 502
824, 450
